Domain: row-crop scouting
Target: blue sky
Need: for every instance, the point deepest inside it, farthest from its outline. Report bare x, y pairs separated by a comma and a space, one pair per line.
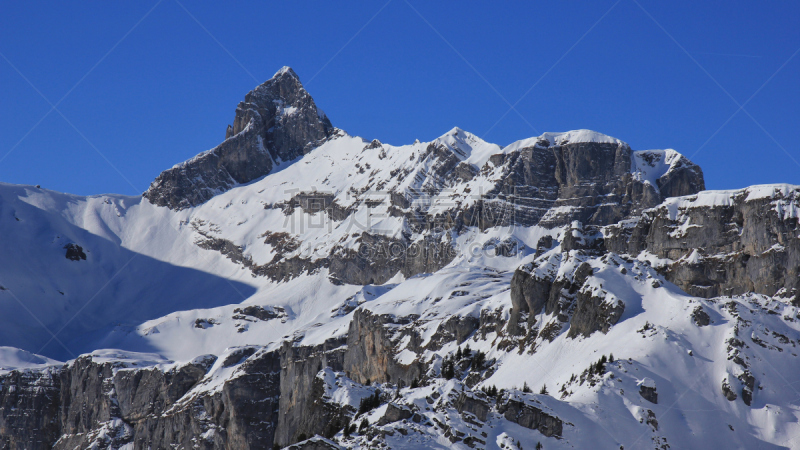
148, 84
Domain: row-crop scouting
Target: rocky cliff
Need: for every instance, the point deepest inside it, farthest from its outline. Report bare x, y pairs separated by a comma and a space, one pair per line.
720, 242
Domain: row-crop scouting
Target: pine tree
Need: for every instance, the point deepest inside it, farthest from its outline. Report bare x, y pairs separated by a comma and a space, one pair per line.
363, 427
543, 390
414, 383
467, 352
601, 365
448, 370
611, 357
459, 354
369, 403
346, 429
478, 360
539, 446
375, 400
526, 388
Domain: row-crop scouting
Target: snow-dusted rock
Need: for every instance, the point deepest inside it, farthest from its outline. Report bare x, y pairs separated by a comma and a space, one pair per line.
276, 123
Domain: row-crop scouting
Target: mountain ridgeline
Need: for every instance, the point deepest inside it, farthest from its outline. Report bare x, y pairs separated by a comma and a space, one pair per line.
564, 291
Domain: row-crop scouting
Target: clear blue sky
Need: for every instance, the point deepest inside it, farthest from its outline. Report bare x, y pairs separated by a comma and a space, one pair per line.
150, 95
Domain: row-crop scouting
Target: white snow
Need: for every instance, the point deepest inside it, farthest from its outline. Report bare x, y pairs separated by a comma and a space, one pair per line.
468, 147
568, 137
650, 165
13, 358
646, 382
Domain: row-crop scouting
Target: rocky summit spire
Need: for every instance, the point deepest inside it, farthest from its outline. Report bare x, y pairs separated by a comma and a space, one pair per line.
277, 122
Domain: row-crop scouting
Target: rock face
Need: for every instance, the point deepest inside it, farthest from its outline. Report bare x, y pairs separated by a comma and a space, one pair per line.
91, 403
303, 411
563, 286
29, 409
394, 413
277, 122
597, 183
709, 244
721, 243
370, 351
472, 405
531, 417
594, 312
647, 389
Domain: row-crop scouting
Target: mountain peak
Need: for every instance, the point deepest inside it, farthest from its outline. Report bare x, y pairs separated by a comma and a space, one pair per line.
285, 70
277, 122
284, 87
467, 146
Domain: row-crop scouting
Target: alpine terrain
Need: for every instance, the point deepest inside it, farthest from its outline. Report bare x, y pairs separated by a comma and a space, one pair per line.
298, 287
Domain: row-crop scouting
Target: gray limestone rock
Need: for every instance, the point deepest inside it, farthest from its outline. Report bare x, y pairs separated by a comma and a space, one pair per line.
531, 417
594, 313
648, 393
303, 410
277, 122
370, 351
394, 413
466, 403
745, 245
29, 408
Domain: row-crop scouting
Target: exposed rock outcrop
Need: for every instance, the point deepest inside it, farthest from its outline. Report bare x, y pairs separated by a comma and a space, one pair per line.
721, 242
74, 252
106, 403
370, 351
29, 409
530, 416
647, 389
303, 409
394, 413
561, 286
277, 122
597, 183
467, 403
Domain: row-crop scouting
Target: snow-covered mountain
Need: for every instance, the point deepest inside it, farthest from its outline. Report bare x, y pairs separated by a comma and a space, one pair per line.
298, 284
